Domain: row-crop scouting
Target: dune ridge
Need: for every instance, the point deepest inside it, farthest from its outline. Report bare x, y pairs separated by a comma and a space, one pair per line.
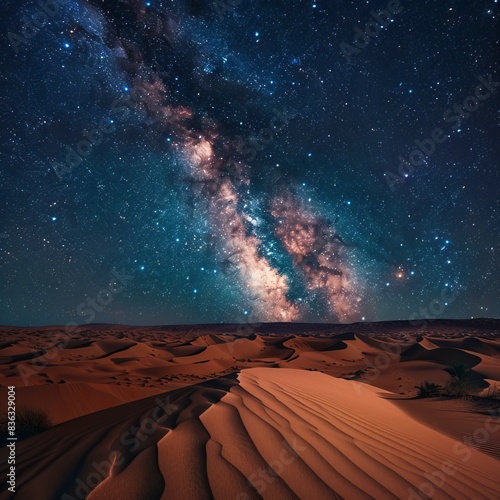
285, 411
280, 433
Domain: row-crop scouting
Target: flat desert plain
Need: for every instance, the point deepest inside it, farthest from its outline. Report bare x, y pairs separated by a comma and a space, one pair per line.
274, 411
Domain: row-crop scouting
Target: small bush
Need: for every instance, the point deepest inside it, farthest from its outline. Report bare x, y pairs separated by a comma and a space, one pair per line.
463, 390
428, 389
29, 421
459, 372
461, 384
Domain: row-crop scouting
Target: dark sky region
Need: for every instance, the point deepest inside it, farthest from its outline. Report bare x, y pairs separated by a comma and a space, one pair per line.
261, 160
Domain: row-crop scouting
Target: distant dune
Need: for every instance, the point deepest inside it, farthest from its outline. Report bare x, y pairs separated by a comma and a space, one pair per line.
239, 412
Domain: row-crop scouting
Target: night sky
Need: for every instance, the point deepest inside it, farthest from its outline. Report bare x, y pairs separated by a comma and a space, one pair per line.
230, 161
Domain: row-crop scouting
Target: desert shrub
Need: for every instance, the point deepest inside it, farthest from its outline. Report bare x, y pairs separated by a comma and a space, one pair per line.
463, 390
428, 389
461, 384
29, 421
460, 372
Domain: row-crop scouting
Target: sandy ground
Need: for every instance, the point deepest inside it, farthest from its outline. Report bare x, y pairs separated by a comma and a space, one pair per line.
238, 412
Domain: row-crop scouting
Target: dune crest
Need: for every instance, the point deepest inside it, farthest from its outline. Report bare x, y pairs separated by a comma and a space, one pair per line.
289, 411
281, 434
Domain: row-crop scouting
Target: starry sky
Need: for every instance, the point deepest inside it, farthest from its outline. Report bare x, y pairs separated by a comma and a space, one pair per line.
184, 161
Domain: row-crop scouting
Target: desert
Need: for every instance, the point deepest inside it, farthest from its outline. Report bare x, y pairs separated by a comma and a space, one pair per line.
272, 411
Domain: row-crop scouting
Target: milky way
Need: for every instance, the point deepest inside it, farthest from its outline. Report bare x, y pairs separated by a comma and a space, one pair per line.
319, 253
265, 286
235, 164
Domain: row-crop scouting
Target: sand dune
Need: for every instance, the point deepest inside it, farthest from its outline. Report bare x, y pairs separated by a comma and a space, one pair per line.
332, 408
77, 399
443, 355
278, 434
163, 359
